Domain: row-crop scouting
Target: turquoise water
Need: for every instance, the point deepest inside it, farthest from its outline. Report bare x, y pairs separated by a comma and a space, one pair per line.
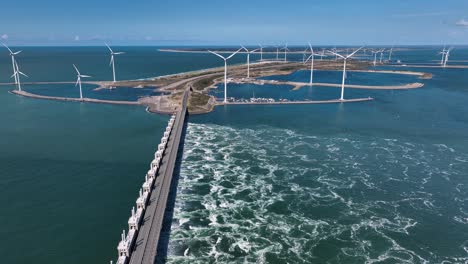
378, 182
352, 77
247, 91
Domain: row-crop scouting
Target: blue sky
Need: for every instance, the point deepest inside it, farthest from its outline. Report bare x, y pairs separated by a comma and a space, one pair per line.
209, 22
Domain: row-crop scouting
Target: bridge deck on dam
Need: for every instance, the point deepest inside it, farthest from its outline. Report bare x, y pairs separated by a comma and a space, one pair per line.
145, 249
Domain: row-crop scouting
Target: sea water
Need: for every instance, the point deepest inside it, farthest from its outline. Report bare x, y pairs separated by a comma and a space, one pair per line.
381, 181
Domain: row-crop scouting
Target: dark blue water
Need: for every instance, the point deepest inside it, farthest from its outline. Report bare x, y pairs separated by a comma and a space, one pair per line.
70, 174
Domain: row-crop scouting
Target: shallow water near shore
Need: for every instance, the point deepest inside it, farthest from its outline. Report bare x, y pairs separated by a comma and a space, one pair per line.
382, 181
90, 91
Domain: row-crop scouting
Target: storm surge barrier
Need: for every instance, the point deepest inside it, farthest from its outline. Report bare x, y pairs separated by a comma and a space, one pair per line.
139, 244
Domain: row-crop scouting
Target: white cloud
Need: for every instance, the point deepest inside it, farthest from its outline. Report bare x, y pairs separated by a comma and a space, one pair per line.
430, 14
462, 23
4, 36
77, 38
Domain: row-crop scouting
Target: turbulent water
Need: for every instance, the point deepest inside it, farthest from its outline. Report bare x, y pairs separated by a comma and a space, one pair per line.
273, 196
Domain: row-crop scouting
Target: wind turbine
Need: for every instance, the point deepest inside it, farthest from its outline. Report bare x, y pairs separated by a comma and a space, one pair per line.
447, 54
261, 52
345, 59
381, 55
304, 55
443, 52
225, 69
285, 51
12, 54
322, 55
311, 58
334, 50
17, 76
375, 52
248, 59
277, 52
112, 62
390, 54
78, 81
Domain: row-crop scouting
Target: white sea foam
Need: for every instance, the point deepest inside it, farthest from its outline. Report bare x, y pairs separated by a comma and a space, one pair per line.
250, 194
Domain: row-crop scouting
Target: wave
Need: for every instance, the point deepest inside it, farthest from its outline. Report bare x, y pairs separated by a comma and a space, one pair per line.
274, 195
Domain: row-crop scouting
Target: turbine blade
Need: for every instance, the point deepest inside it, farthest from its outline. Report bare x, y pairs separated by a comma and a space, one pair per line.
14, 74
7, 48
254, 50
244, 48
23, 74
232, 55
311, 49
16, 53
334, 53
77, 81
77, 71
350, 55
118, 53
85, 76
310, 57
109, 47
216, 54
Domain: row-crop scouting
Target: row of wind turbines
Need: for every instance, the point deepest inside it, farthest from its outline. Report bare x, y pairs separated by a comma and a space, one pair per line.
445, 55
310, 58
333, 52
17, 73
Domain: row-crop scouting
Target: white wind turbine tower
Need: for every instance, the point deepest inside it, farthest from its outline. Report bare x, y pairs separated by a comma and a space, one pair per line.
12, 54
375, 52
17, 76
322, 55
277, 52
447, 54
381, 55
390, 54
345, 59
261, 52
443, 52
78, 80
225, 69
311, 58
248, 59
112, 61
285, 51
